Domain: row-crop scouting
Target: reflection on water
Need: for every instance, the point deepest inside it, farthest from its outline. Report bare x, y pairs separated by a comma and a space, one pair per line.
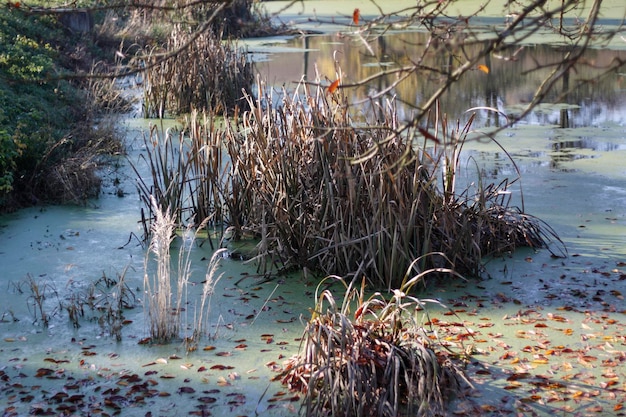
580, 120
577, 132
509, 86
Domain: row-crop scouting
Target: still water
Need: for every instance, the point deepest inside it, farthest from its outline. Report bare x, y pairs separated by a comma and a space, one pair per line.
545, 331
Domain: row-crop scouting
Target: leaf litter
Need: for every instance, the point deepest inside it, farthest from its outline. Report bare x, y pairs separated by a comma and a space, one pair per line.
557, 350
563, 354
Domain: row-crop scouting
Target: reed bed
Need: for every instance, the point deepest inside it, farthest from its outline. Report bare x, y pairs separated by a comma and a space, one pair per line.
378, 361
165, 157
207, 74
322, 190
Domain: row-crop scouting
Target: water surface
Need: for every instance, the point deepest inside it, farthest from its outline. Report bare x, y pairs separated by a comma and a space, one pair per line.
548, 334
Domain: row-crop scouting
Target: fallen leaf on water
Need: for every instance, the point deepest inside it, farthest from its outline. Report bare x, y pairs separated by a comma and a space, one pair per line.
533, 398
57, 361
161, 361
221, 367
207, 400
41, 372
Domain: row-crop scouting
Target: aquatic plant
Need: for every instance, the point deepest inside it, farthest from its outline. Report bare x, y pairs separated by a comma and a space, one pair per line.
165, 290
38, 292
162, 318
208, 74
165, 158
202, 313
378, 361
322, 189
106, 299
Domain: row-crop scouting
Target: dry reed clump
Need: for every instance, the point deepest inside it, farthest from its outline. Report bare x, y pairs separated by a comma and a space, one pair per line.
207, 74
166, 289
68, 172
336, 195
349, 197
165, 157
379, 361
163, 318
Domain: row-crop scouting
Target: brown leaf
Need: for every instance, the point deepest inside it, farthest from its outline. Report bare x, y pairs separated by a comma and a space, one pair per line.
207, 400
221, 367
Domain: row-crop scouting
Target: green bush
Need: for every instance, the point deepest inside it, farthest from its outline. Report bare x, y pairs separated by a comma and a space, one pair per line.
34, 113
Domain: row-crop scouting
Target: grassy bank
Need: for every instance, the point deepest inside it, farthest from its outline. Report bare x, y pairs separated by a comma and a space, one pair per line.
42, 118
48, 149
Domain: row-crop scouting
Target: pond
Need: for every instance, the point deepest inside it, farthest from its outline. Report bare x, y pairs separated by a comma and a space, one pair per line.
548, 334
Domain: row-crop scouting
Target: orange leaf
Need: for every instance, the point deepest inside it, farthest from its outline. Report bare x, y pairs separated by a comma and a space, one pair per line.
17, 4
483, 68
355, 16
333, 87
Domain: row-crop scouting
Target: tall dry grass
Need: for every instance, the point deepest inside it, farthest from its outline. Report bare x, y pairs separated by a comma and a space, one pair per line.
379, 360
165, 289
206, 74
353, 197
163, 319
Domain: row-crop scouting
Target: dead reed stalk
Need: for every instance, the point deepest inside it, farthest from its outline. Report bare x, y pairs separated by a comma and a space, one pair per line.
325, 191
163, 320
378, 361
206, 75
166, 290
